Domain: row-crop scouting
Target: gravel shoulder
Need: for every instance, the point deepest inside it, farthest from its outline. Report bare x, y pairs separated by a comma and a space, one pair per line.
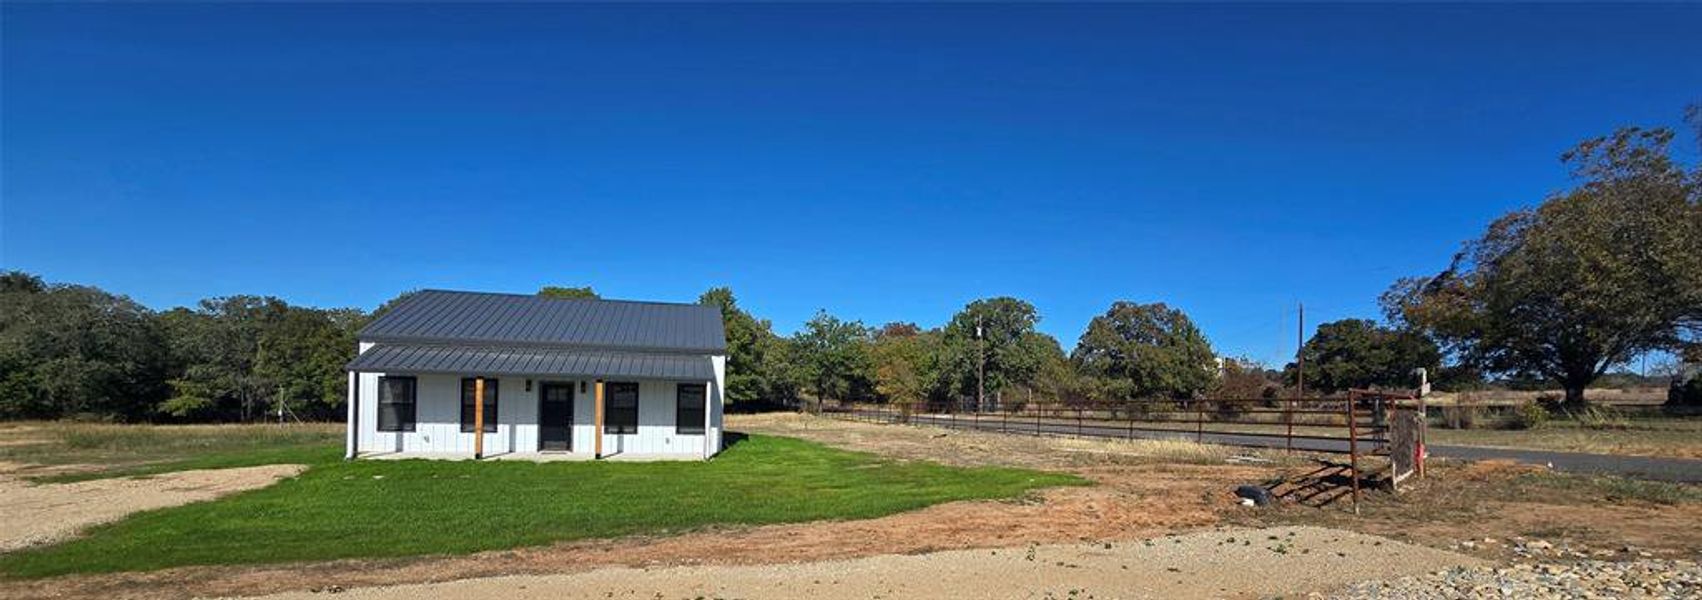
1212, 564
1675, 579
37, 514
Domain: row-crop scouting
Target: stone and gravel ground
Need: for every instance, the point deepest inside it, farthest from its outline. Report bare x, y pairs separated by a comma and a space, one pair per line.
1270, 562
1587, 579
33, 514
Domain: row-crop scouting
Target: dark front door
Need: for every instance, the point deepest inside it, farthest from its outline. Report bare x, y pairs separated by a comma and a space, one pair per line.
555, 416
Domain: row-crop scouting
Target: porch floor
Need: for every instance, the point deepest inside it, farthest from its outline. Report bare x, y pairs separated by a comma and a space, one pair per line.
523, 456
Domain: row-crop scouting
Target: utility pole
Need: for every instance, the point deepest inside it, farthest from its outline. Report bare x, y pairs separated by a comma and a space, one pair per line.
1300, 354
980, 365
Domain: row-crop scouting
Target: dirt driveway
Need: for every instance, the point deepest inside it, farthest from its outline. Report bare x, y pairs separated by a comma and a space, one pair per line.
33, 514
1216, 564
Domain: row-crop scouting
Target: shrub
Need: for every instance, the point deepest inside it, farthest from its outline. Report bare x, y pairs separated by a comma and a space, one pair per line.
1685, 395
1530, 415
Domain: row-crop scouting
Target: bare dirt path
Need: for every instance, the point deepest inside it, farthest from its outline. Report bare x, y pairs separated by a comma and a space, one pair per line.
33, 514
1216, 564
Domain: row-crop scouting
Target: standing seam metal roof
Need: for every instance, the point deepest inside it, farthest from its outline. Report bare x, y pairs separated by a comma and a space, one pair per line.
531, 361
452, 317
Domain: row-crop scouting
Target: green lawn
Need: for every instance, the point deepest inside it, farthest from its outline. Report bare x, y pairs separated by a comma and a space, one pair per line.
400, 508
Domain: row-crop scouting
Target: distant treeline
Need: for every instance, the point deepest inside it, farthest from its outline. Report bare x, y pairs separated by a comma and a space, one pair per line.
79, 351
75, 351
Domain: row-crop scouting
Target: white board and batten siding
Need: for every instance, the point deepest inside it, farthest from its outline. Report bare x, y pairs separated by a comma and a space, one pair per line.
437, 427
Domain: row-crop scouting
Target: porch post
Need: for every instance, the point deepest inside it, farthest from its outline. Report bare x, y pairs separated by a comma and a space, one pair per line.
597, 420
478, 418
353, 419
707, 394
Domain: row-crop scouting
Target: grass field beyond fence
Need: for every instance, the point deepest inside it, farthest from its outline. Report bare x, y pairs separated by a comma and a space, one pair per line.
67, 451
416, 507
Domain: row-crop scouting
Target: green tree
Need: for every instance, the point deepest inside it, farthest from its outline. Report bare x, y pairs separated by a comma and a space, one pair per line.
833, 356
750, 344
555, 291
1359, 353
217, 345
388, 304
21, 282
1007, 349
1586, 281
906, 362
69, 350
1055, 379
1146, 351
301, 357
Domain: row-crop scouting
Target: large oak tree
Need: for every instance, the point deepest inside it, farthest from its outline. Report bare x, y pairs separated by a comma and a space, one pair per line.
1591, 278
1146, 351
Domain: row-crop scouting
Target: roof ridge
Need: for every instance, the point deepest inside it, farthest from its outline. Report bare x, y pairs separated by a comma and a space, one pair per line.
450, 316
552, 298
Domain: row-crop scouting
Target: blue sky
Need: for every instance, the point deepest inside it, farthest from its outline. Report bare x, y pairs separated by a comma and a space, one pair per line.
882, 162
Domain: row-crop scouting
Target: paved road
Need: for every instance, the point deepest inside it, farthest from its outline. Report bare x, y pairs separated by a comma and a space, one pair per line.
1660, 469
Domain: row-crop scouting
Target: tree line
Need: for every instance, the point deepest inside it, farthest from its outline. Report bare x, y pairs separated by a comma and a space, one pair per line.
1561, 292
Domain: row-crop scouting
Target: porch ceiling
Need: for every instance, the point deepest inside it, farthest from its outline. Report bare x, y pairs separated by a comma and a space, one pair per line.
539, 362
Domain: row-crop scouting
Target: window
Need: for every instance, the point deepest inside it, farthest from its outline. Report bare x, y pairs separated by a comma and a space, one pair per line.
396, 404
621, 406
467, 407
688, 418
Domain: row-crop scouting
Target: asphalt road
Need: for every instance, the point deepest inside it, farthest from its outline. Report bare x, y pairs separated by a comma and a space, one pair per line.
1641, 467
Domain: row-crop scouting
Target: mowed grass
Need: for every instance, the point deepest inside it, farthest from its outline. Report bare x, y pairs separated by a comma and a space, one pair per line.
415, 507
82, 451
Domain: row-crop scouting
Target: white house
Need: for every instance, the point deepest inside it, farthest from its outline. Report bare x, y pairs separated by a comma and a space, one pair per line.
570, 377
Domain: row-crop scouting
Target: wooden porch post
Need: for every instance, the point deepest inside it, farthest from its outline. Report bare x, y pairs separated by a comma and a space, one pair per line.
597, 420
478, 418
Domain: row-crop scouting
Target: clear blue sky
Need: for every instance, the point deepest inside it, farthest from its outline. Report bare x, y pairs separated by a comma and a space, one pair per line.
882, 162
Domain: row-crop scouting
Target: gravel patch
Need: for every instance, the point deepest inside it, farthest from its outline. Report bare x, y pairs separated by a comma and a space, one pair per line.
37, 514
1576, 580
1213, 564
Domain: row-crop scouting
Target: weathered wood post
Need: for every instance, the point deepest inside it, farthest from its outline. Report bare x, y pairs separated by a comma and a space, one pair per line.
597, 421
478, 418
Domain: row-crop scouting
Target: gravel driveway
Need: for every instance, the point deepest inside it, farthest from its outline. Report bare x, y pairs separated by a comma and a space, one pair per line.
34, 514
1228, 562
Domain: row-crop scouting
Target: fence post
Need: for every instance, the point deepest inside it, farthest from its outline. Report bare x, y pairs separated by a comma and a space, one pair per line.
1288, 417
1199, 423
1353, 445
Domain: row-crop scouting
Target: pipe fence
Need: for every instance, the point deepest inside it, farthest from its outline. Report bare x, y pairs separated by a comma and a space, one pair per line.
1356, 425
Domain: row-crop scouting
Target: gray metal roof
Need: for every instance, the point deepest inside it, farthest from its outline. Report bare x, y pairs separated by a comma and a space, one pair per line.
441, 316
531, 361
